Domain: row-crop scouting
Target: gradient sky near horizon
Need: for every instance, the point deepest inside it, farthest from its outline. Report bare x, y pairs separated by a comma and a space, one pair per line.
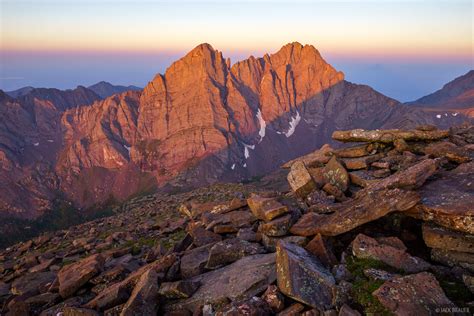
404, 49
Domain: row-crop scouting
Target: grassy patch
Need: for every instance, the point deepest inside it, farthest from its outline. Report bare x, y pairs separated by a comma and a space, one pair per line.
357, 265
363, 287
173, 239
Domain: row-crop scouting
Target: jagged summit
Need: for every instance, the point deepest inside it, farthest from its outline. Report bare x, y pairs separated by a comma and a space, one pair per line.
200, 122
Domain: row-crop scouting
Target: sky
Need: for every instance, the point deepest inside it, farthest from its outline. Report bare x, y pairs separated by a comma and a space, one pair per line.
404, 49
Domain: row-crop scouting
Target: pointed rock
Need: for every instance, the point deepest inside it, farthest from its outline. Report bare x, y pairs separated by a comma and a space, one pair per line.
302, 277
300, 179
74, 276
320, 248
266, 208
336, 174
144, 298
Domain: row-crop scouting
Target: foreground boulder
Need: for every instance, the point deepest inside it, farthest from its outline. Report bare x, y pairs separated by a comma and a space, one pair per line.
230, 250
388, 136
443, 238
453, 258
366, 207
266, 209
193, 261
238, 281
408, 179
336, 174
302, 276
143, 300
300, 179
119, 292
32, 283
319, 247
449, 199
450, 151
369, 248
74, 276
418, 294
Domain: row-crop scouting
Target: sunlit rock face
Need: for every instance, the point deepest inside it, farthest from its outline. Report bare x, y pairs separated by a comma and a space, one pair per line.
202, 121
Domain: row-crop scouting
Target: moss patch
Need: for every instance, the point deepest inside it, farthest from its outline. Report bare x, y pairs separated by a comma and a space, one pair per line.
173, 239
363, 287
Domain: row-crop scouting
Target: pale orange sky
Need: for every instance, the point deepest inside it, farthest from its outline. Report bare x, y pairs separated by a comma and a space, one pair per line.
403, 48
398, 28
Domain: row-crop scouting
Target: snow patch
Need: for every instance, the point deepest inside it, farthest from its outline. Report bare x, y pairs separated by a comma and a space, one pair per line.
233, 166
36, 144
455, 114
245, 165
293, 123
246, 150
50, 141
127, 148
445, 114
263, 125
438, 116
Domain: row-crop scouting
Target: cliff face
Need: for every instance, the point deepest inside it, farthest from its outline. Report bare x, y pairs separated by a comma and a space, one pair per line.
203, 121
30, 138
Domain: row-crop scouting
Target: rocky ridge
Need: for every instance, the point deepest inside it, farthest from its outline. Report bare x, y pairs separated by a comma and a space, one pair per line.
381, 227
201, 122
456, 97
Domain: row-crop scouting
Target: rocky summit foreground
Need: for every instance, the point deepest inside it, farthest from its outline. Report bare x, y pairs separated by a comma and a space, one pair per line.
385, 226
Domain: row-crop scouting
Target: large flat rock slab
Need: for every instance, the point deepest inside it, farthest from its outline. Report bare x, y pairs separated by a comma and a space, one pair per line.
416, 294
448, 200
345, 216
240, 280
388, 136
393, 254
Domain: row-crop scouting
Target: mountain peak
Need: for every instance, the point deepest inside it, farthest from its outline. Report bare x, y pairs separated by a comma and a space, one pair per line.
296, 51
293, 45
203, 49
105, 89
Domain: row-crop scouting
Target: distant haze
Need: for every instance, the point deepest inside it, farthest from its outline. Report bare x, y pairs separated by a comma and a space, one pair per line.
404, 49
